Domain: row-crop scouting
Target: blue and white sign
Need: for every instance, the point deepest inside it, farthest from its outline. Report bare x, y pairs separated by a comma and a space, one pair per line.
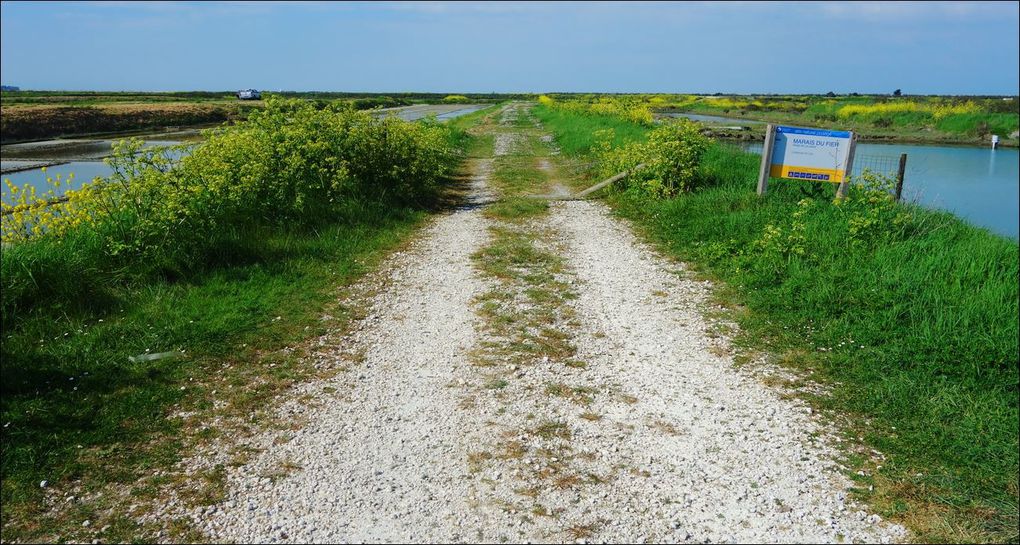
810, 154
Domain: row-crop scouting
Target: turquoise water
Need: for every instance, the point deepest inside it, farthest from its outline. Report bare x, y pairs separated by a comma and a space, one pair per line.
981, 185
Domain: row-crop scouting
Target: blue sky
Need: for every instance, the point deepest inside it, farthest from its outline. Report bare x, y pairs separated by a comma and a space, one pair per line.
730, 47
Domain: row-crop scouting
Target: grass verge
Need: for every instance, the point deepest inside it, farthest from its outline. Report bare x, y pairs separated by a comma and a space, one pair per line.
912, 325
81, 416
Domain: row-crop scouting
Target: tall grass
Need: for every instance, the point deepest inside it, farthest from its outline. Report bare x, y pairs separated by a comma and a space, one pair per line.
937, 110
1002, 124
584, 128
909, 315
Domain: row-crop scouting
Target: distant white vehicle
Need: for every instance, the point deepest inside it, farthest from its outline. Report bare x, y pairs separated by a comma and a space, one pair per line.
249, 94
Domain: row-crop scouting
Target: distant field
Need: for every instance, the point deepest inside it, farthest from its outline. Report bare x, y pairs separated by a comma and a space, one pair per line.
37, 121
967, 120
33, 115
37, 115
964, 120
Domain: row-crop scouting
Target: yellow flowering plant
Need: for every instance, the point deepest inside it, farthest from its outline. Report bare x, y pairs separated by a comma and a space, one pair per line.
289, 164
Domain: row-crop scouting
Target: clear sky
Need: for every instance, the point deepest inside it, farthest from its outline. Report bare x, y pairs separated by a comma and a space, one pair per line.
730, 47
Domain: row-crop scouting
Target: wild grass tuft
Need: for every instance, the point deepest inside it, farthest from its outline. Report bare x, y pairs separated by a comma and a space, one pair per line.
517, 208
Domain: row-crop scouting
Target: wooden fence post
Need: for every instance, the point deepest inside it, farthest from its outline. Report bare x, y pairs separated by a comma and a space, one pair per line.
844, 186
899, 175
609, 181
766, 159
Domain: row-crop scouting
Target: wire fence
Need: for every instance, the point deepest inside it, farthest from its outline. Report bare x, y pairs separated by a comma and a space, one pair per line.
880, 164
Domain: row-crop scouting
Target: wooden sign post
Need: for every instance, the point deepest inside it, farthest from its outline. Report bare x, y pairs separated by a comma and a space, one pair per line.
848, 170
766, 159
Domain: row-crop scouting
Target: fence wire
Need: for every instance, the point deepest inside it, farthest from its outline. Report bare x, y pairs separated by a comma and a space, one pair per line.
887, 165
879, 164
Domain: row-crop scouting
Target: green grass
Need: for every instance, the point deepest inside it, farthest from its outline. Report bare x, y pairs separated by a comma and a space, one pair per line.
1002, 124
75, 407
465, 122
81, 415
515, 175
914, 328
575, 133
517, 208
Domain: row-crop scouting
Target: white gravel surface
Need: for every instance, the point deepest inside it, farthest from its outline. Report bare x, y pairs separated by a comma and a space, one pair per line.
722, 458
382, 459
411, 445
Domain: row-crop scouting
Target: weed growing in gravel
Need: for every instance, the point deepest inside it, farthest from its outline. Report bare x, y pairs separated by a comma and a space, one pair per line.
516, 209
528, 319
512, 450
552, 430
477, 460
582, 532
581, 395
496, 384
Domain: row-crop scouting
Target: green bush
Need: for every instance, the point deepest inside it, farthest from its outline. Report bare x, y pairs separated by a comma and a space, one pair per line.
671, 157
290, 164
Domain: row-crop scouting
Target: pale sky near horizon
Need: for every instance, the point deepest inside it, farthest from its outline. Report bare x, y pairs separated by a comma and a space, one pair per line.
698, 47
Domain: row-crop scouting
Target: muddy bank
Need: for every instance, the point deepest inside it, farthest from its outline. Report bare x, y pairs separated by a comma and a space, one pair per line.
38, 123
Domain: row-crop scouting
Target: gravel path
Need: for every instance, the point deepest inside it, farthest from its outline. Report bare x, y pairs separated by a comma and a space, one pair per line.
383, 458
664, 441
722, 458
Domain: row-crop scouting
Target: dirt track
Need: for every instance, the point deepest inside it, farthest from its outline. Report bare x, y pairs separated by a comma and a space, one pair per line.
438, 431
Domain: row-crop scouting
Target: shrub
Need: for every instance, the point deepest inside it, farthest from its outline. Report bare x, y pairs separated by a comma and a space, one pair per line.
869, 217
288, 165
672, 158
935, 109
